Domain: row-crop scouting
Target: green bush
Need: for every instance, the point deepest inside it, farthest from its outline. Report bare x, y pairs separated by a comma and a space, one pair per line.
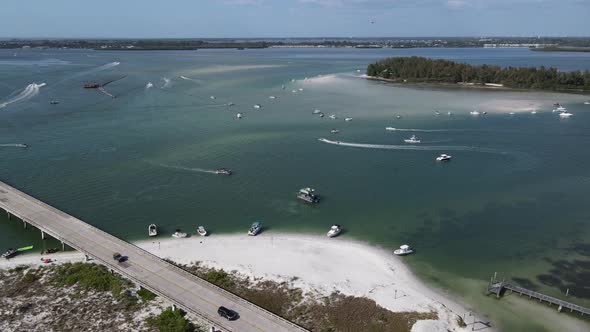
90, 277
220, 278
171, 321
146, 295
30, 277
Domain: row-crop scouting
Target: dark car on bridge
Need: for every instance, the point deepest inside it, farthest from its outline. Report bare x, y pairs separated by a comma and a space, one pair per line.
227, 313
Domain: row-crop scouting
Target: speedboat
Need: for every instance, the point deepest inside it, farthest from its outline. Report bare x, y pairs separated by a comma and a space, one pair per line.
587, 103
412, 140
334, 131
449, 113
300, 89
257, 106
212, 97
10, 253
534, 111
436, 113
398, 116
565, 114
316, 111
308, 194
255, 228
239, 115
178, 234
334, 230
474, 113
54, 102
322, 115
223, 171
390, 128
333, 117
560, 109
444, 157
201, 231
152, 230
403, 250
272, 97
230, 104
347, 119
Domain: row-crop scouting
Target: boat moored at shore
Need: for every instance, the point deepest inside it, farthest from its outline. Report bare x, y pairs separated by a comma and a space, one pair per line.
334, 231
152, 230
178, 234
201, 231
255, 228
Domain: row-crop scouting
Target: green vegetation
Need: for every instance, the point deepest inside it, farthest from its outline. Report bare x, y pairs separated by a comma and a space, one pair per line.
30, 277
220, 278
423, 70
171, 321
91, 277
145, 295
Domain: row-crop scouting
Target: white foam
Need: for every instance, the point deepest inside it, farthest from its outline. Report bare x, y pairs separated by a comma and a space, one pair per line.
410, 147
189, 169
29, 92
149, 85
167, 82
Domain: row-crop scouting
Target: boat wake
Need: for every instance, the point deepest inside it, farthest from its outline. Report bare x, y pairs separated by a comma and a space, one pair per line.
29, 92
13, 145
107, 66
412, 147
167, 82
149, 85
190, 79
188, 169
423, 130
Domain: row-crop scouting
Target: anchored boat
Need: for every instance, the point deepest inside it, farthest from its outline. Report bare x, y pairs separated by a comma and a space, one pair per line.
308, 195
201, 231
403, 250
255, 228
178, 234
444, 157
152, 230
334, 230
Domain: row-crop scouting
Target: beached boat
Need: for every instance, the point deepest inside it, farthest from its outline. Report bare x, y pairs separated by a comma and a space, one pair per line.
11, 252
223, 171
412, 140
403, 250
565, 114
334, 231
201, 231
347, 119
152, 230
308, 194
334, 131
474, 113
179, 235
255, 228
444, 157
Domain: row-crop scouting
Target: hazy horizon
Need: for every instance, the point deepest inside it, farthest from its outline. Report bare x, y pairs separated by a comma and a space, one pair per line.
135, 19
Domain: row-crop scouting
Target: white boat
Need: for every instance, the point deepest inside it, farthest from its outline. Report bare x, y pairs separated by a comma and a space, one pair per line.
348, 119
534, 112
152, 230
223, 171
308, 194
412, 140
436, 113
294, 91
239, 115
257, 106
403, 250
565, 114
398, 116
316, 111
449, 113
283, 87
560, 109
444, 157
272, 97
230, 104
334, 231
201, 231
587, 103
390, 128
333, 117
255, 228
212, 97
334, 131
511, 113
474, 113
178, 234
322, 115
300, 89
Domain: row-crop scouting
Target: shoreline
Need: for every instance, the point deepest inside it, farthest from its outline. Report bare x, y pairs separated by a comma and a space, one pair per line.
468, 86
316, 264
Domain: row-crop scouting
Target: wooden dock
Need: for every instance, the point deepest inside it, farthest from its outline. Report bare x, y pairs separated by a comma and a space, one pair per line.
499, 288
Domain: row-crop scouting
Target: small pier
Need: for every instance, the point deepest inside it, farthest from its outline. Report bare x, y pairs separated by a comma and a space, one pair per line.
500, 288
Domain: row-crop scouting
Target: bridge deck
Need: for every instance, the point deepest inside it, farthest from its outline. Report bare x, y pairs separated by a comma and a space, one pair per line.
187, 291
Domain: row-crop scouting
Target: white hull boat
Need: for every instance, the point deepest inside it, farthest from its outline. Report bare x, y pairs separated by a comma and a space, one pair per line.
179, 235
404, 250
152, 230
334, 231
201, 231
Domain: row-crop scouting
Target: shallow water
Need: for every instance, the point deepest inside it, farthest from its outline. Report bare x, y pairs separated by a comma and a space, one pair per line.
513, 200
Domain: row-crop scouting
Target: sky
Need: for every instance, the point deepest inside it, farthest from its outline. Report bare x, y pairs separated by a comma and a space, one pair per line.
291, 18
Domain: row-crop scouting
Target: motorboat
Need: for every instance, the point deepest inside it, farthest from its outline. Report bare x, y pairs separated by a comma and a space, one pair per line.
201, 231
436, 113
230, 104
444, 157
255, 228
511, 113
316, 111
403, 250
334, 230
334, 131
398, 116
223, 171
333, 117
212, 97
348, 119
53, 102
294, 91
474, 113
560, 109
257, 106
272, 97
412, 140
449, 113
587, 103
534, 112
565, 114
484, 113
390, 129
283, 87
178, 234
239, 115
308, 194
11, 252
300, 89
322, 115
152, 230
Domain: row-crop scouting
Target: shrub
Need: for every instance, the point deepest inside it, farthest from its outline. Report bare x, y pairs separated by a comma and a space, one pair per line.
171, 321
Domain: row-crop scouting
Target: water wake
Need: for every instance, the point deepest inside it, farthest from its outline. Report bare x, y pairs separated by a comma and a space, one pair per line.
422, 130
13, 145
167, 82
29, 92
411, 147
149, 85
189, 169
108, 65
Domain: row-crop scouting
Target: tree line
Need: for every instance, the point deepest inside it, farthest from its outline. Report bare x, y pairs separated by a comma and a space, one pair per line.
424, 70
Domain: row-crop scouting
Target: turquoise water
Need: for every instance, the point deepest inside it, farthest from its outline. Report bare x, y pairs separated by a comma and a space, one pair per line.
513, 200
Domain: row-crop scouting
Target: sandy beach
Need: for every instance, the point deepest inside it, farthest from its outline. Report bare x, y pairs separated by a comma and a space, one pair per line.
316, 264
